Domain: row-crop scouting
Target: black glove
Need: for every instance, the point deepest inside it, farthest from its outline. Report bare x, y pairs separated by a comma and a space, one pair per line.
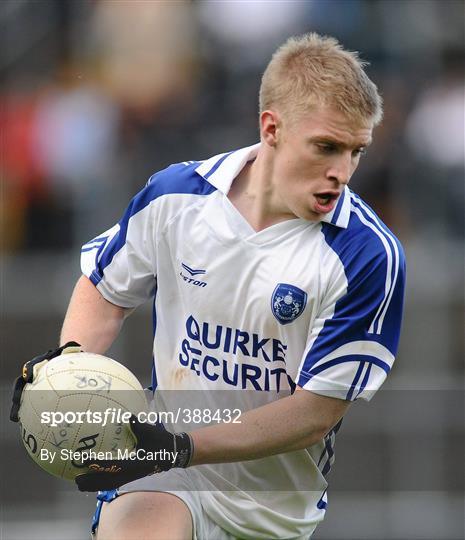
28, 375
153, 444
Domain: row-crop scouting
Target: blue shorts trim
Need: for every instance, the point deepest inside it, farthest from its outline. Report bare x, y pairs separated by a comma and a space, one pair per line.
102, 496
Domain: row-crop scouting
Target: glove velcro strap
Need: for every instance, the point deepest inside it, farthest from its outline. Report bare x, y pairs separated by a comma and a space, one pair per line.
26, 378
28, 374
184, 446
20, 383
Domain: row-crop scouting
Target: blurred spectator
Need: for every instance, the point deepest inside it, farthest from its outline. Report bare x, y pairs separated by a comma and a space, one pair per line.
376, 179
435, 127
22, 181
148, 54
147, 51
60, 146
435, 133
246, 32
75, 141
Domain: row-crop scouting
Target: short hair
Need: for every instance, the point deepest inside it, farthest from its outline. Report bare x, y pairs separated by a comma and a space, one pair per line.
313, 70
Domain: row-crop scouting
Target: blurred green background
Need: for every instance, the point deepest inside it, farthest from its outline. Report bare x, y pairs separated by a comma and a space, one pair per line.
95, 96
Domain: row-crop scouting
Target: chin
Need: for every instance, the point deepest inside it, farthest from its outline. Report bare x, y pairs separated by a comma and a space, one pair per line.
309, 215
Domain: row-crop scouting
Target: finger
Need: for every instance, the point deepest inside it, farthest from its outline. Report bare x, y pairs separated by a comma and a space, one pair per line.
144, 431
136, 428
140, 429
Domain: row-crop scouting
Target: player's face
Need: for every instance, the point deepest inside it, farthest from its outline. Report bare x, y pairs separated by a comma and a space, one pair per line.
313, 159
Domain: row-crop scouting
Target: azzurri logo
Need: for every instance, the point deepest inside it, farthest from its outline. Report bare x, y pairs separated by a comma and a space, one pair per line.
287, 302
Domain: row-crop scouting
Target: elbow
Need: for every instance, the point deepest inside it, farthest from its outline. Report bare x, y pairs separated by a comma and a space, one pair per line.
326, 414
317, 434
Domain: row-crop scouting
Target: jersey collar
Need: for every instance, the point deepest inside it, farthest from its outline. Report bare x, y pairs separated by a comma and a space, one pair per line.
220, 171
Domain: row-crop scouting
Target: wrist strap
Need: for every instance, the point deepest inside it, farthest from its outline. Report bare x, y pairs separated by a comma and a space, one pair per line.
184, 447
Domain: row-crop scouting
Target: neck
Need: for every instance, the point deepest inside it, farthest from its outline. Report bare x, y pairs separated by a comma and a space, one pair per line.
253, 194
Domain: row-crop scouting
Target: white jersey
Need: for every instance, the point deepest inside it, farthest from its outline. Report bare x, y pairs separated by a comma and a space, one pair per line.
316, 304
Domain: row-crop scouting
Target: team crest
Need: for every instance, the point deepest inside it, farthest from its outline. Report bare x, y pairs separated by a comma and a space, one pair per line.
287, 302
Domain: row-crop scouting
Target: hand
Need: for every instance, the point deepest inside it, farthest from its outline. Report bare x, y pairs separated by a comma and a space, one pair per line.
157, 450
30, 369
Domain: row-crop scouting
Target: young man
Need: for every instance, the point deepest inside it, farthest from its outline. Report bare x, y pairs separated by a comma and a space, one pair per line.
269, 276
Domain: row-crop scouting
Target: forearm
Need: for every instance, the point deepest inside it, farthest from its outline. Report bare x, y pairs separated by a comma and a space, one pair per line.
291, 423
91, 320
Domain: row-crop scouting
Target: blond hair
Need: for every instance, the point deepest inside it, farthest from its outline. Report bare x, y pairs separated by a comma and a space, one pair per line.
313, 70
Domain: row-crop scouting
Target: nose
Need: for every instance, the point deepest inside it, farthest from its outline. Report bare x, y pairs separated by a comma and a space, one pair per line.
340, 170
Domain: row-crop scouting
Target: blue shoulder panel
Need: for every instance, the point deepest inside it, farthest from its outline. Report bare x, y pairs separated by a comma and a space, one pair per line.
178, 178
371, 308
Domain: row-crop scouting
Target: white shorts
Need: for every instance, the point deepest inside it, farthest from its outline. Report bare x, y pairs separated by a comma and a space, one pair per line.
177, 482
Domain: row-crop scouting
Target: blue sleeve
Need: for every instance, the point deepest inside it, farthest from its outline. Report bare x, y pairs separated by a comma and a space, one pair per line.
354, 340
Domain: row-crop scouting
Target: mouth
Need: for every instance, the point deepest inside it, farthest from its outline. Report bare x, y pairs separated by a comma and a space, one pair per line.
325, 201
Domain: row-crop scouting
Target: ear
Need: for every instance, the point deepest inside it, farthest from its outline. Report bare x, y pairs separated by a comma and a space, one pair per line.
270, 126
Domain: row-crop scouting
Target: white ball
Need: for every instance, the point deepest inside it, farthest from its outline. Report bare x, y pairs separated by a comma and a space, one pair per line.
75, 383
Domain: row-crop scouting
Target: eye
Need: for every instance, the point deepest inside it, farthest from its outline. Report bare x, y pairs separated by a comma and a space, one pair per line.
359, 152
326, 148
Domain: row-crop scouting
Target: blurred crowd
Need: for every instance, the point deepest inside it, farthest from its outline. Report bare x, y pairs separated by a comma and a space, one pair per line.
97, 95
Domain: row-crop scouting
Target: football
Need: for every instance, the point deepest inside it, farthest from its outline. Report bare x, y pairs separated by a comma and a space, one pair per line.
76, 408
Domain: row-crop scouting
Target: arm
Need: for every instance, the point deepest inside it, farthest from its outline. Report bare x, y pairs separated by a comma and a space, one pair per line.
91, 320
291, 423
